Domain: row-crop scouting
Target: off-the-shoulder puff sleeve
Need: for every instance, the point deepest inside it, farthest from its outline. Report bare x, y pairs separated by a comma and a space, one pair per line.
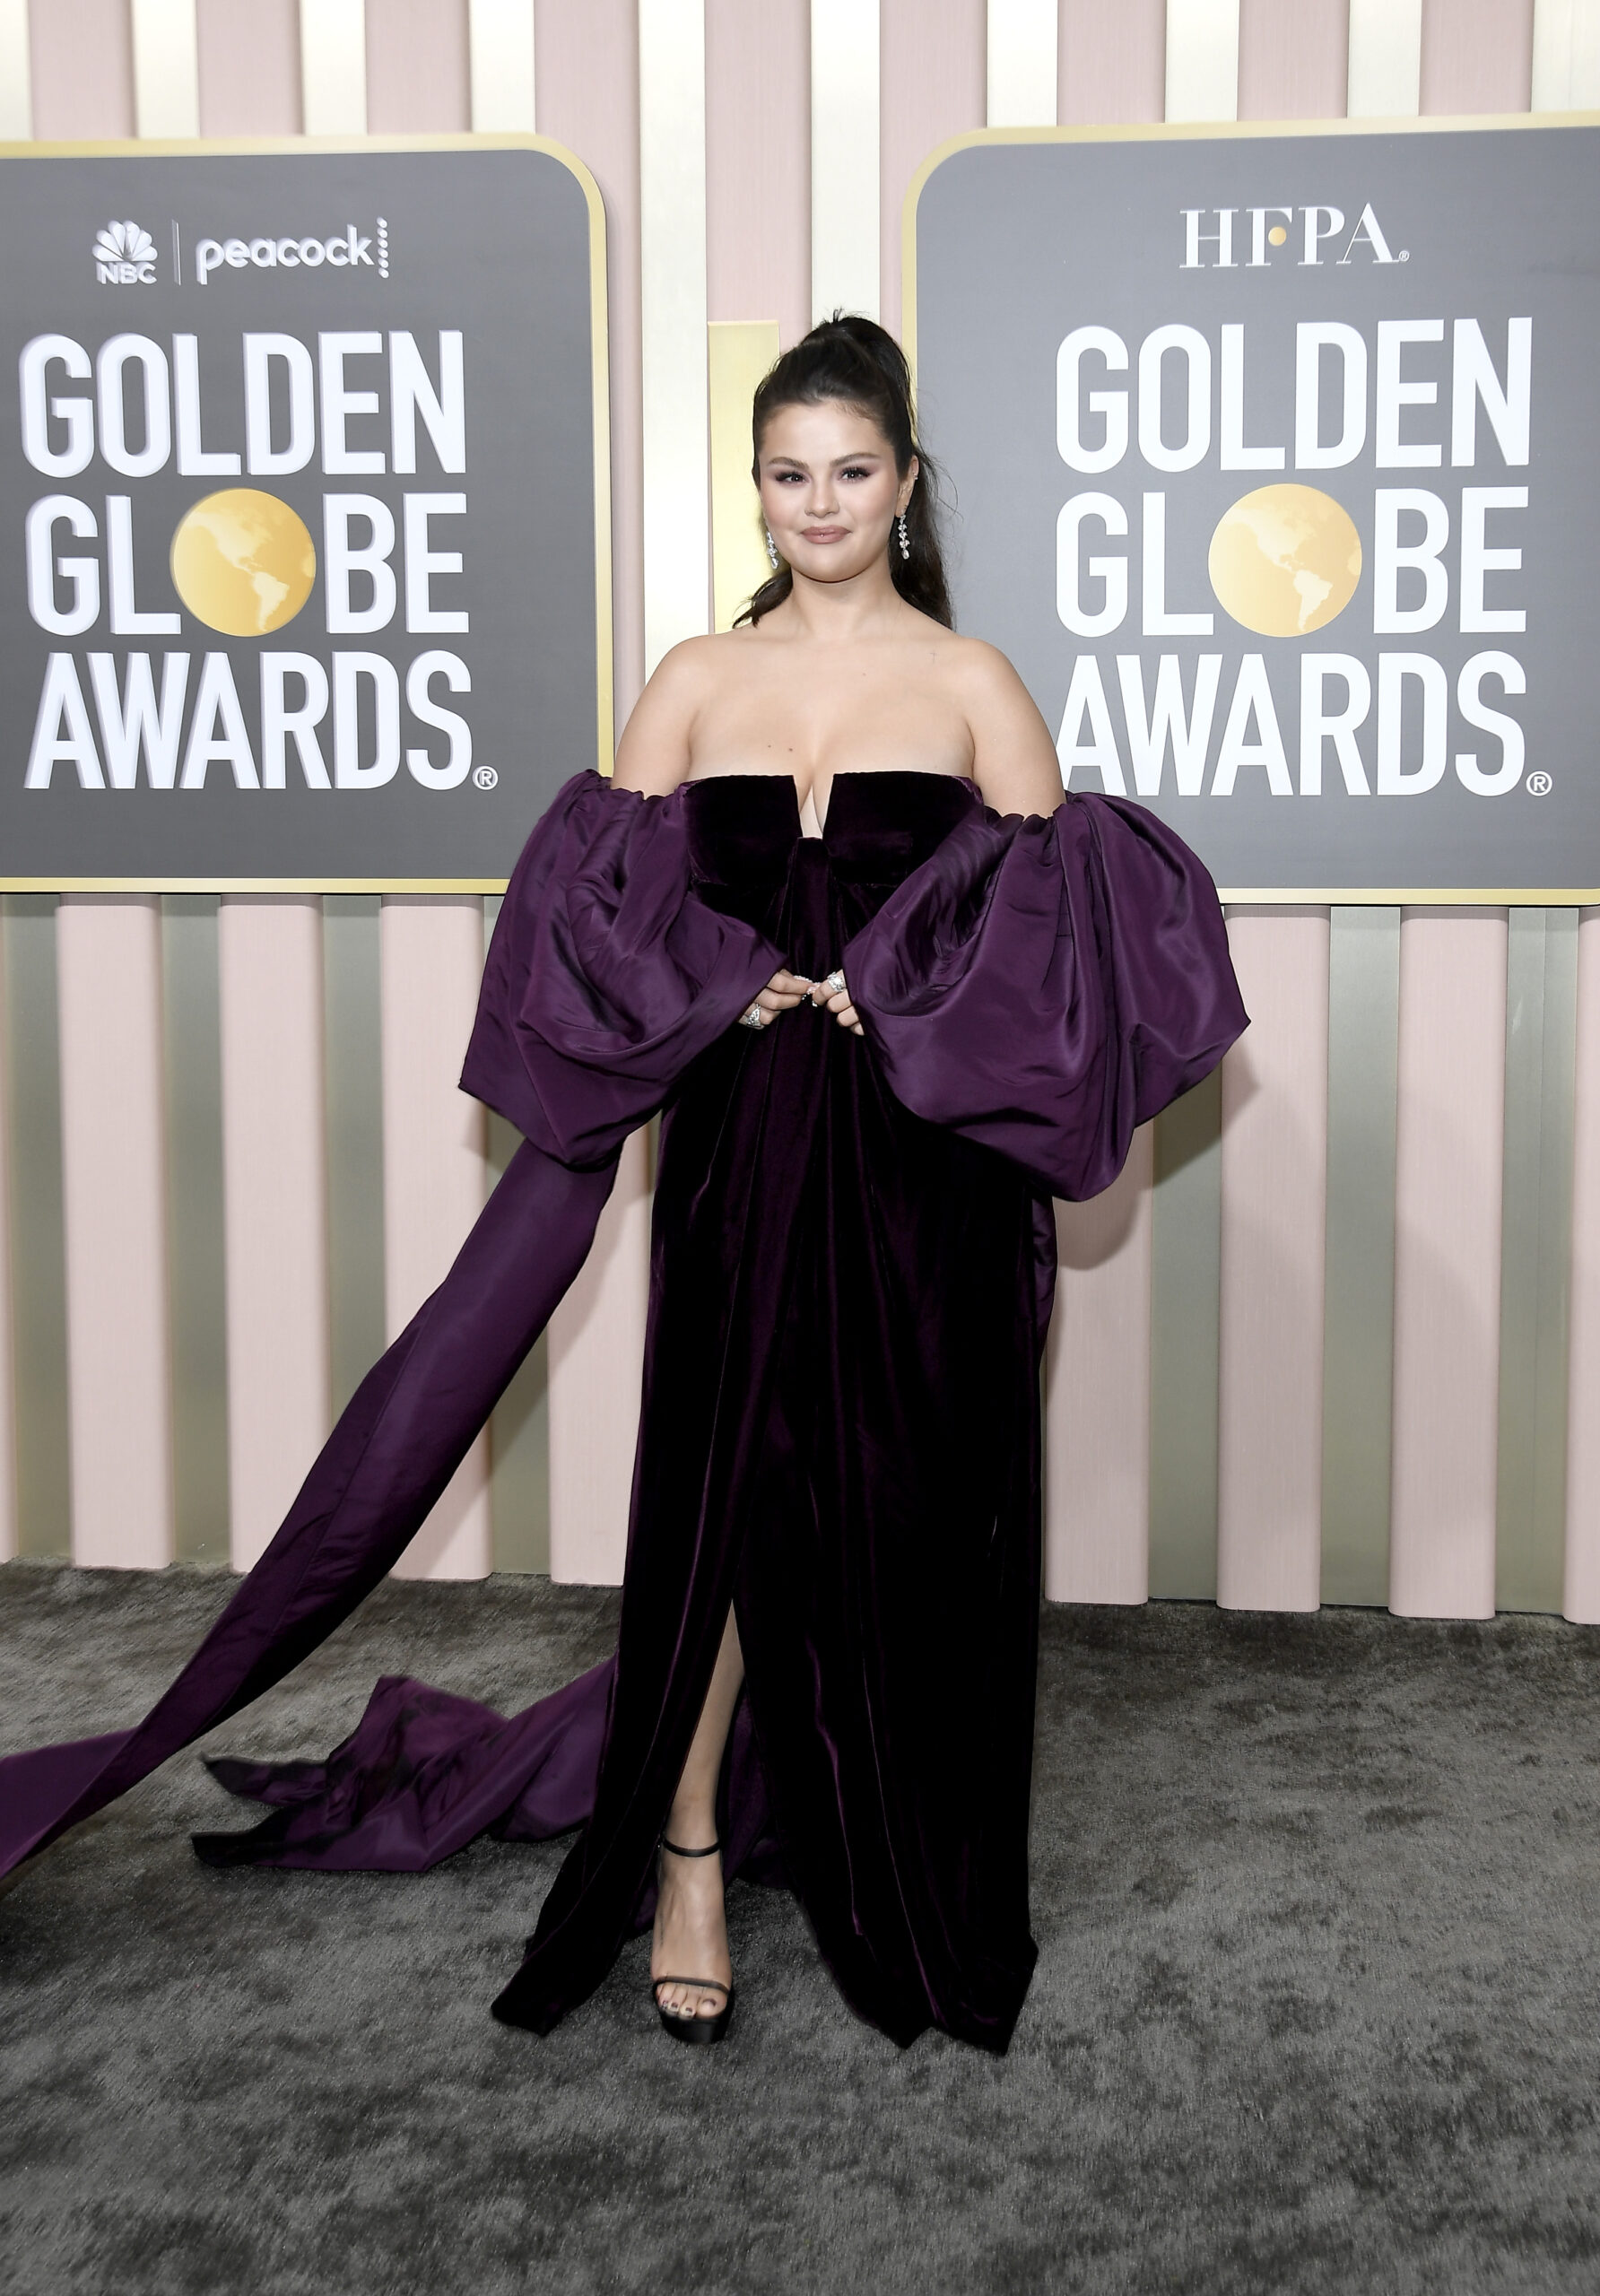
1043, 985
605, 977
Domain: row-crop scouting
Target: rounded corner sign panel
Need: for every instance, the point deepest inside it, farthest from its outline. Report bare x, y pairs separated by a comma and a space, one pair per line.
1277, 473
301, 576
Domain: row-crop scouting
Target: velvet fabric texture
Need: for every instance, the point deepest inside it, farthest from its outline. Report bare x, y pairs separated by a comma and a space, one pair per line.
852, 1258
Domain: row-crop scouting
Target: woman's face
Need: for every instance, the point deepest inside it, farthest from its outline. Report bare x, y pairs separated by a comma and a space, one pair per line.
830, 489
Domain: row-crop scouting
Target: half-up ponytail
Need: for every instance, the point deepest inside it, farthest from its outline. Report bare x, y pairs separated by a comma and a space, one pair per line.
855, 362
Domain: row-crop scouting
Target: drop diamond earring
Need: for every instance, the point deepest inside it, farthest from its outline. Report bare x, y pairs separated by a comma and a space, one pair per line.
905, 539
771, 547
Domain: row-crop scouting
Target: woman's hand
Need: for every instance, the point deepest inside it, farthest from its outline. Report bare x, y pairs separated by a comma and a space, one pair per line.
834, 997
782, 993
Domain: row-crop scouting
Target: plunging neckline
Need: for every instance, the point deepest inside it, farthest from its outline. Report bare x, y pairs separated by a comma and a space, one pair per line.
846, 773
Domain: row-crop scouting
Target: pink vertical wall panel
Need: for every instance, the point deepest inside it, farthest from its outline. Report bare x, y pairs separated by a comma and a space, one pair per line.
1452, 1061
1274, 1199
433, 1166
1096, 1395
588, 100
1111, 62
418, 73
588, 82
1293, 58
934, 72
1581, 1598
81, 56
597, 1354
1477, 55
758, 163
418, 82
275, 1178
249, 66
119, 1378
1110, 67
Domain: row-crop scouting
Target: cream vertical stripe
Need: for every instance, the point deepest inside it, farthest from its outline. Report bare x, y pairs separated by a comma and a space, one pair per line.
109, 958
672, 189
274, 1167
333, 66
596, 1357
738, 355
1386, 58
844, 157
1274, 1199
1022, 44
165, 68
1202, 59
1452, 1057
1566, 55
1096, 1394
1581, 1596
16, 92
502, 34
433, 1162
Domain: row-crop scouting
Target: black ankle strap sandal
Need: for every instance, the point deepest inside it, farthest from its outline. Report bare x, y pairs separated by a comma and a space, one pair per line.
697, 2030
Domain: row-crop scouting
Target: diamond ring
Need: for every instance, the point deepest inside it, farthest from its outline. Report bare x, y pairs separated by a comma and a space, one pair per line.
754, 1019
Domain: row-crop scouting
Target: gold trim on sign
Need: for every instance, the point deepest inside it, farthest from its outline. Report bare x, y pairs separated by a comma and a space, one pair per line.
292, 146
253, 884
1201, 130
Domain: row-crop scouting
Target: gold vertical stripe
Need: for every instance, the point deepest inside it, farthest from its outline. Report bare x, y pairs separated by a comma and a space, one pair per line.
738, 354
1535, 1258
1185, 1290
1358, 1331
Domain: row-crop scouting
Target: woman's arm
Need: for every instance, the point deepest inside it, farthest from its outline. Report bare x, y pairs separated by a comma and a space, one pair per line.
1014, 761
653, 754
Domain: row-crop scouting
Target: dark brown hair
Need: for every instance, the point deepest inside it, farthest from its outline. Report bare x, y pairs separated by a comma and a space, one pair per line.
858, 363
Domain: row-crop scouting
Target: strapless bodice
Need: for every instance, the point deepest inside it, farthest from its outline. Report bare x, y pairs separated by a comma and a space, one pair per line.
744, 828
749, 858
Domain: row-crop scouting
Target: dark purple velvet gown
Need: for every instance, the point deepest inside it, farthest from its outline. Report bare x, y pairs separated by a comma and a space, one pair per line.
852, 1263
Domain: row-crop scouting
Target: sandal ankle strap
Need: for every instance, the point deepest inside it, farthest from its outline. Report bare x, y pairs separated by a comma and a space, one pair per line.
709, 1851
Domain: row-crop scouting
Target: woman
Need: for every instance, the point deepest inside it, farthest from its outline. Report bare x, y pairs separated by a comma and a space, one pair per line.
890, 992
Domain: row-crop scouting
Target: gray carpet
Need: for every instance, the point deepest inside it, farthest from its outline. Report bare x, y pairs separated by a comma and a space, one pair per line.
1317, 2004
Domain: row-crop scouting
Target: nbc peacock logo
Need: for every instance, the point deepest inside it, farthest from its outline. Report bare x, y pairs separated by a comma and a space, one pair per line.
124, 256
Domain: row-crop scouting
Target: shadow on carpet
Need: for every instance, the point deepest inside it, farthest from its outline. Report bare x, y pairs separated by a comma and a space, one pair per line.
1315, 2008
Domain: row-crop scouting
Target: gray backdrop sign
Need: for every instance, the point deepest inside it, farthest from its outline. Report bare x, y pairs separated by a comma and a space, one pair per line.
1277, 470
303, 459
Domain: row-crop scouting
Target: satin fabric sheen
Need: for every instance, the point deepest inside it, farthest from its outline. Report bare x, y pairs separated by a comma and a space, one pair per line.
852, 1256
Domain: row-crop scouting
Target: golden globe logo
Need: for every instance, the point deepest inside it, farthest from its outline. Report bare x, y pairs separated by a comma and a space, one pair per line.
124, 257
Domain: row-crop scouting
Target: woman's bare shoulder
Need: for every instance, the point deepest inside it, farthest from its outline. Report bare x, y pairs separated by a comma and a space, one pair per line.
657, 744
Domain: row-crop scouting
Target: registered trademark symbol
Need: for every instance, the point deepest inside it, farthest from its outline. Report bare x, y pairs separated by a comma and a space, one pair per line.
484, 777
1538, 785
1404, 255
